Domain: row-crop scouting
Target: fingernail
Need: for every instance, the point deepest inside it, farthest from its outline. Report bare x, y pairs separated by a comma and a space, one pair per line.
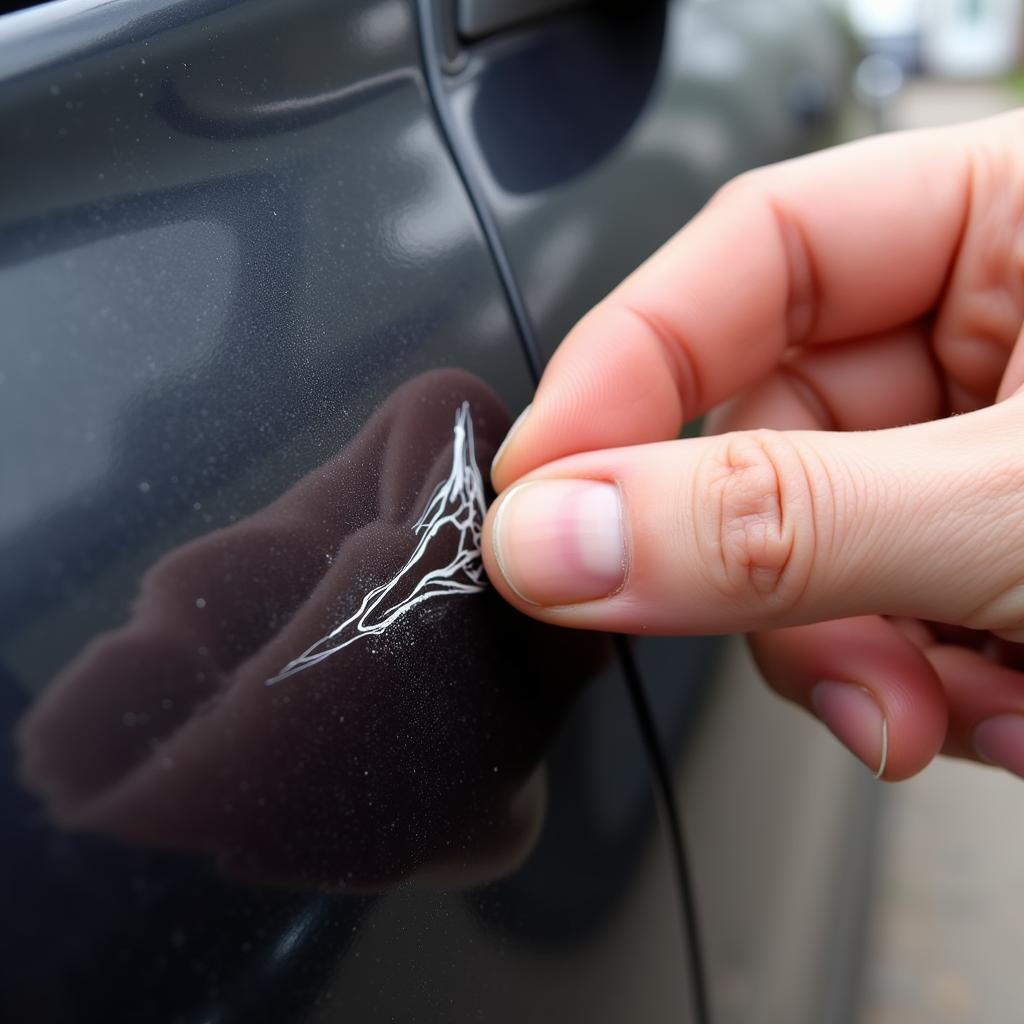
1000, 741
856, 720
561, 541
503, 447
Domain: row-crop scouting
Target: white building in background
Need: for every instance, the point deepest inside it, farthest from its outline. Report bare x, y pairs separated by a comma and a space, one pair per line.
971, 38
948, 38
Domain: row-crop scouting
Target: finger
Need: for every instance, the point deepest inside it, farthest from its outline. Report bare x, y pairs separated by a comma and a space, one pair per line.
760, 529
986, 707
884, 380
872, 687
983, 308
869, 684
1013, 375
840, 244
917, 632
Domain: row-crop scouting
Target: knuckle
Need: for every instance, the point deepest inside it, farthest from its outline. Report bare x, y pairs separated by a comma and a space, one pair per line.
744, 187
756, 513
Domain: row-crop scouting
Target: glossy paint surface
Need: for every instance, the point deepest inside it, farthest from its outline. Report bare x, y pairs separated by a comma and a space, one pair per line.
246, 300
623, 122
639, 114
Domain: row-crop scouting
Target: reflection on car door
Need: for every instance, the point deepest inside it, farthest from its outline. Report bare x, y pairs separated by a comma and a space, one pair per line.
247, 299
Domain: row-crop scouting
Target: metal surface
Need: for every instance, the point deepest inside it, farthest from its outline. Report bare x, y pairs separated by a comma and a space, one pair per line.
482, 17
251, 270
588, 141
595, 136
237, 264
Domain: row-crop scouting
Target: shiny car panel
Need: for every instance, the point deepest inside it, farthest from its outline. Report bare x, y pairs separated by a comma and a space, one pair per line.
274, 278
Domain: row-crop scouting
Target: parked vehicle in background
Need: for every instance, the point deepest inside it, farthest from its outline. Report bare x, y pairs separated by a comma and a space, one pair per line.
274, 279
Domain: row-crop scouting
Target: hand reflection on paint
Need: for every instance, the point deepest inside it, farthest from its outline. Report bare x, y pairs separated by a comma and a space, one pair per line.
412, 749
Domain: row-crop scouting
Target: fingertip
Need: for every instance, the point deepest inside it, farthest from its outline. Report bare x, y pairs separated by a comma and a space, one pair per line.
855, 717
500, 477
558, 542
878, 668
986, 702
608, 385
492, 559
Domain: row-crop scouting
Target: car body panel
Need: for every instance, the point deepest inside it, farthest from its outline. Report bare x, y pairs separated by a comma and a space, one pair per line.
256, 272
595, 135
237, 269
639, 114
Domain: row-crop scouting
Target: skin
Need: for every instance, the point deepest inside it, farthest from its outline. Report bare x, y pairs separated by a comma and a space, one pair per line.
829, 313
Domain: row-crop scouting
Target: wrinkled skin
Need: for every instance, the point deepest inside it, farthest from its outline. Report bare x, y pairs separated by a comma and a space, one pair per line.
850, 302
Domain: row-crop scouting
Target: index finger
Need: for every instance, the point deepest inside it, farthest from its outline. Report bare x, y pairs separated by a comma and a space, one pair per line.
843, 243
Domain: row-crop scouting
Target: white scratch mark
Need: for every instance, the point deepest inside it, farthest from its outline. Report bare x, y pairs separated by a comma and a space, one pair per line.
457, 502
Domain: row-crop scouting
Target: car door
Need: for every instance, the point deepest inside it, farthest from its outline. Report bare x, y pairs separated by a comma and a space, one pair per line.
588, 134
273, 749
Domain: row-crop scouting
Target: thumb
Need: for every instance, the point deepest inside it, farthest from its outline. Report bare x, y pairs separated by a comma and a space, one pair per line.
758, 529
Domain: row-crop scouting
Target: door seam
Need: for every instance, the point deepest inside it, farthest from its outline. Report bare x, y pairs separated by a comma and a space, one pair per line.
658, 764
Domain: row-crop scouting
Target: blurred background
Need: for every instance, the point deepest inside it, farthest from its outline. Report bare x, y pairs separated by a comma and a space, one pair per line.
945, 921
937, 61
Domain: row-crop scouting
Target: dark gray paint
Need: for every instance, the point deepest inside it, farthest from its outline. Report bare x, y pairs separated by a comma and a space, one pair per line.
227, 233
638, 114
476, 18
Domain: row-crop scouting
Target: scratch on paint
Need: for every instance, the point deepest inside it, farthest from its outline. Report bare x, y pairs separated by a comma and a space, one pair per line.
457, 502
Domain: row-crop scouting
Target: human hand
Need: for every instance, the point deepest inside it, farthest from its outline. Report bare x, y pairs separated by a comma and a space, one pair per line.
834, 311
